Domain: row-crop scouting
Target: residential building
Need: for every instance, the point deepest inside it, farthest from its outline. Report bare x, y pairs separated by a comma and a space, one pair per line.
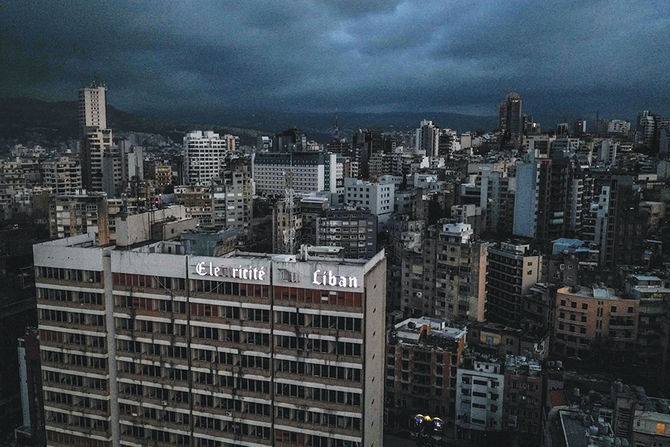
353, 229
152, 345
162, 176
205, 156
427, 138
80, 213
585, 315
93, 107
378, 198
522, 399
480, 386
510, 116
422, 359
511, 272
63, 175
232, 201
97, 166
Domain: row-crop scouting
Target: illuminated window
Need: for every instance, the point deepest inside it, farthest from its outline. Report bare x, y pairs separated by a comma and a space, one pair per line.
660, 429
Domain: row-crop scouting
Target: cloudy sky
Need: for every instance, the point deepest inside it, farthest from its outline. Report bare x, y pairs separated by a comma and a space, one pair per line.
315, 55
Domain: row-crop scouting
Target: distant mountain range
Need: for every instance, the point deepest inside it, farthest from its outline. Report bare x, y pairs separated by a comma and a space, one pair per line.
24, 120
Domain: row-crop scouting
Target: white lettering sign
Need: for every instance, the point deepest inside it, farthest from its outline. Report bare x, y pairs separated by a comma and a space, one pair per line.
326, 278
248, 272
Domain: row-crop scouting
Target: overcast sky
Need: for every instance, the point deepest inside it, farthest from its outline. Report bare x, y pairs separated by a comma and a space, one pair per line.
386, 55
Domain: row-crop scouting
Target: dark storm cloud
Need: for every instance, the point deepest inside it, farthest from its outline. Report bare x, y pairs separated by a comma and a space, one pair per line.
316, 55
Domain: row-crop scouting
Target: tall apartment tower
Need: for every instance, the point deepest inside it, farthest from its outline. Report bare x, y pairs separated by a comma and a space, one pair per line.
152, 346
510, 117
96, 142
93, 107
427, 138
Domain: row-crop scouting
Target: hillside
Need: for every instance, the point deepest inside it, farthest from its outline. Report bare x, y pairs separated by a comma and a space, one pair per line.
31, 121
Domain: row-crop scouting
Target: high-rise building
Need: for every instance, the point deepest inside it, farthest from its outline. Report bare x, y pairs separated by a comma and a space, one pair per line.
96, 145
428, 138
93, 107
510, 118
232, 202
153, 345
511, 272
205, 156
96, 142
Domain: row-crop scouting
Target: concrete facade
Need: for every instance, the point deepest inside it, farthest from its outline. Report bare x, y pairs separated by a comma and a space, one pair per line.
152, 345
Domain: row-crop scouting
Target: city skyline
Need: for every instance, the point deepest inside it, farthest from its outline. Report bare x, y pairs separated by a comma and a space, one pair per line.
319, 56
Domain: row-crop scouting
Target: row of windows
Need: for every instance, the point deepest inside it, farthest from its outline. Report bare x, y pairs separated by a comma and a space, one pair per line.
77, 421
75, 380
74, 360
286, 437
70, 296
236, 428
155, 435
72, 339
77, 401
314, 345
72, 317
75, 441
154, 282
319, 419
318, 296
68, 274
315, 370
318, 394
319, 321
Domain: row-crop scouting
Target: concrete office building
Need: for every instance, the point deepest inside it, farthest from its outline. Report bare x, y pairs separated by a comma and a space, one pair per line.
304, 172
148, 344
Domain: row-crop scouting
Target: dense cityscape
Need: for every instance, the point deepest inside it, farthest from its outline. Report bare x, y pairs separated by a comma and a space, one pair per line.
508, 286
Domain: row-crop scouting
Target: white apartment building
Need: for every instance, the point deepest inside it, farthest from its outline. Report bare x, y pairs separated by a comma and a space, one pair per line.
150, 345
205, 156
93, 107
378, 198
305, 172
479, 397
